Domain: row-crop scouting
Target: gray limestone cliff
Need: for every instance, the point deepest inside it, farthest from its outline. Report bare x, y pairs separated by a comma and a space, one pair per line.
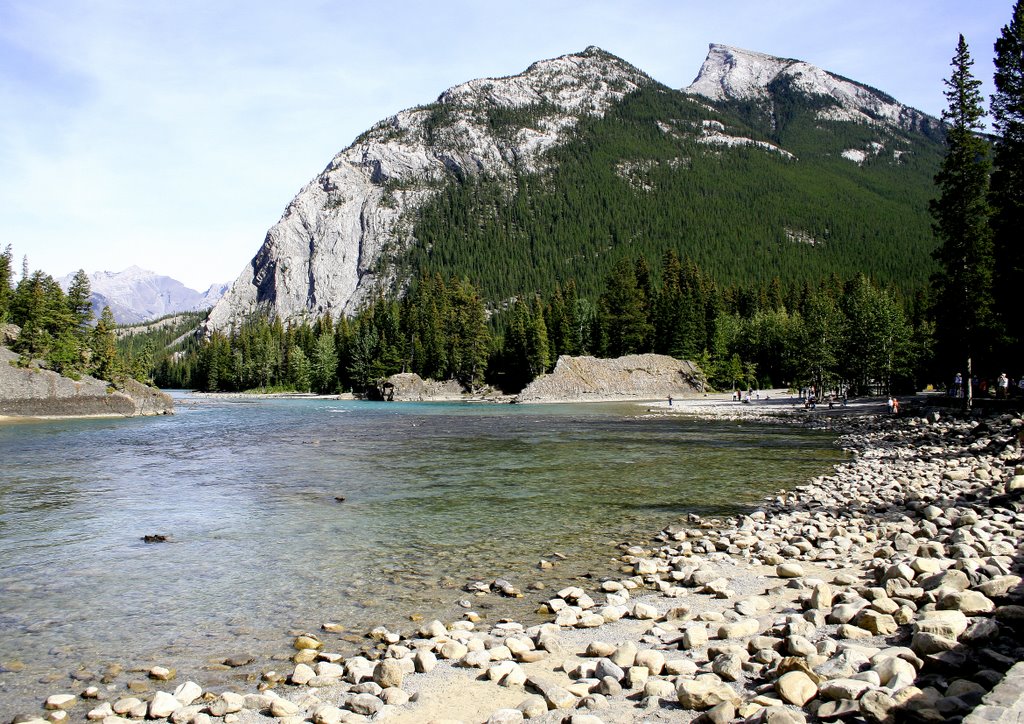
635, 376
324, 255
34, 392
734, 74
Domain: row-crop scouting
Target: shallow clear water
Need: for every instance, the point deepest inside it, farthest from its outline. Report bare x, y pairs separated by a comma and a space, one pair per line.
435, 495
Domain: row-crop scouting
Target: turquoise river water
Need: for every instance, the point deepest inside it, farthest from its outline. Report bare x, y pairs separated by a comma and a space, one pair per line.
436, 495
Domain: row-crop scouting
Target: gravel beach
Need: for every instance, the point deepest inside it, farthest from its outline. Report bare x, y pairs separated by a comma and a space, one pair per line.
889, 590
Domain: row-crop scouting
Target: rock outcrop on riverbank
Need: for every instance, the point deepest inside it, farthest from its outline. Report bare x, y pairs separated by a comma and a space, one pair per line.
635, 376
35, 392
410, 387
887, 591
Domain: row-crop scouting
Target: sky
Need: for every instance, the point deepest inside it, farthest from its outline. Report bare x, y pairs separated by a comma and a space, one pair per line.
171, 134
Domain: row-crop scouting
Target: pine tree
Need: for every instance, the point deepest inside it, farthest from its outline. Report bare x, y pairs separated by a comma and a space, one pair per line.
963, 284
1008, 180
623, 311
324, 376
515, 349
817, 346
79, 305
668, 309
876, 337
343, 346
104, 348
557, 320
537, 348
39, 307
6, 279
298, 368
574, 340
470, 340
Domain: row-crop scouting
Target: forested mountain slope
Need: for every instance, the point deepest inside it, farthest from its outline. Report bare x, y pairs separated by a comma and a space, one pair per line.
762, 168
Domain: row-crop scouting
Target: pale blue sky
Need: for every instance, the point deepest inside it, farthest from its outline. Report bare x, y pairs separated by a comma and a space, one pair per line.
172, 134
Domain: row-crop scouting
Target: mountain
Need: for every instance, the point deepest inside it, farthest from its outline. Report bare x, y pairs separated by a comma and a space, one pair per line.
763, 167
135, 295
732, 76
326, 252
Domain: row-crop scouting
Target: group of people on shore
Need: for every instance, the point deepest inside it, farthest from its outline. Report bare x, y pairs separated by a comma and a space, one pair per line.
1002, 387
810, 397
746, 396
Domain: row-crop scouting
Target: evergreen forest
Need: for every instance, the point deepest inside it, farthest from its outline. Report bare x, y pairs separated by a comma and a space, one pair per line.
642, 179
59, 328
783, 265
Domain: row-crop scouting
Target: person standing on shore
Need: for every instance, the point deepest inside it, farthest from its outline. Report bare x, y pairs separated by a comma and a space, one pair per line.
1004, 386
895, 406
958, 383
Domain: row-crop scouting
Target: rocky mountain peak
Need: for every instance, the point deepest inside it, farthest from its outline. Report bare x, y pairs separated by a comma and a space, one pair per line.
581, 83
322, 256
734, 74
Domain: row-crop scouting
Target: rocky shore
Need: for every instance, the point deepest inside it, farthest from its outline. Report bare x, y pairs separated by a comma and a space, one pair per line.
887, 591
34, 392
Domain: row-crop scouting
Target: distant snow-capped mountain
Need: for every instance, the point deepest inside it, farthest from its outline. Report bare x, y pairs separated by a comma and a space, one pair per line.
136, 295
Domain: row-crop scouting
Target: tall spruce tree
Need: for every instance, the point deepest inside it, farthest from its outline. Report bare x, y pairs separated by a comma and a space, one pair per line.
469, 338
106, 365
324, 367
6, 277
79, 305
963, 284
623, 311
538, 352
1008, 180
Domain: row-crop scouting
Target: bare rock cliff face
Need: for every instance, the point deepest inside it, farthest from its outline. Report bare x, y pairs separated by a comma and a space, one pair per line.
324, 255
733, 74
636, 376
33, 392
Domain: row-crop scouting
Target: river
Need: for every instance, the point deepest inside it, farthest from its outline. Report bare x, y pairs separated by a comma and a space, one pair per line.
259, 546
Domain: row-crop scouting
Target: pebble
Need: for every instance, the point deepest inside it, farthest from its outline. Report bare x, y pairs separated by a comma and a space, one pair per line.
789, 570
796, 687
533, 706
704, 692
650, 659
388, 672
505, 716
365, 704
644, 612
227, 703
188, 692
60, 702
162, 705
162, 673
